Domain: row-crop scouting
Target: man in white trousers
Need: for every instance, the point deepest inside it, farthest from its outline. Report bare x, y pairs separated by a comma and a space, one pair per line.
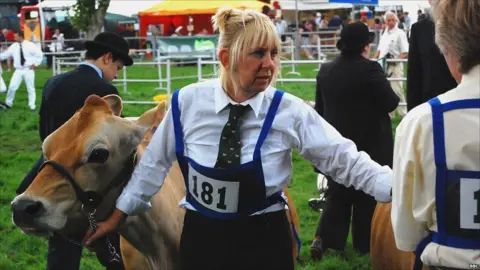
26, 57
3, 86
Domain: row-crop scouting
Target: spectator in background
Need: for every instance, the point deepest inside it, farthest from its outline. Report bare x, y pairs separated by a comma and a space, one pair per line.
355, 97
203, 32
420, 15
307, 38
364, 20
57, 44
26, 57
323, 23
60, 38
394, 45
408, 23
282, 27
378, 24
427, 75
335, 22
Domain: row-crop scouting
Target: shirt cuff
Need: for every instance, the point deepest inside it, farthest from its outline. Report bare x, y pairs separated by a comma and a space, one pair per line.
131, 205
406, 246
383, 187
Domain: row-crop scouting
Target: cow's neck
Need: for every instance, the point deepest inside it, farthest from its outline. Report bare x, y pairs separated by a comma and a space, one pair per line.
147, 237
115, 189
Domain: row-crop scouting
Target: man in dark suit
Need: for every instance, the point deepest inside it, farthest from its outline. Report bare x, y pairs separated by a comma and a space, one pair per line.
62, 96
353, 95
428, 75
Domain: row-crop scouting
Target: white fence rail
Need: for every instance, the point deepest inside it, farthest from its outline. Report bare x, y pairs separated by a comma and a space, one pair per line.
165, 84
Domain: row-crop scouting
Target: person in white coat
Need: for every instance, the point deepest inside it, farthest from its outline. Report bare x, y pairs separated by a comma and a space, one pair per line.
26, 57
3, 86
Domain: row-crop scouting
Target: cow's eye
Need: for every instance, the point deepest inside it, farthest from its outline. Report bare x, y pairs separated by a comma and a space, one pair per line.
98, 155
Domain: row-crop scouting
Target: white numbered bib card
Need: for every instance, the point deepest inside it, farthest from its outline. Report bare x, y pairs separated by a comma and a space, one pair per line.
218, 196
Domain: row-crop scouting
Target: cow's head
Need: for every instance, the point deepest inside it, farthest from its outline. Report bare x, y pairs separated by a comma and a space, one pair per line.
94, 147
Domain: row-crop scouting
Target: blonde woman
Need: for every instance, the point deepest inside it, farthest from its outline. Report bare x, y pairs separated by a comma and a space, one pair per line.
233, 138
436, 194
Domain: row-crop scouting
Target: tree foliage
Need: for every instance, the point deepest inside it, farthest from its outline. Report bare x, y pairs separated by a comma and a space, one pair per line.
89, 16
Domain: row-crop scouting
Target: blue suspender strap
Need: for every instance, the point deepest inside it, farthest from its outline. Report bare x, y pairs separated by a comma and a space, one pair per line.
461, 104
418, 264
268, 122
440, 163
177, 125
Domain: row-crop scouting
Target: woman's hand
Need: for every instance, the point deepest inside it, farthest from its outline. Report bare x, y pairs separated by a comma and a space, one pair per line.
104, 228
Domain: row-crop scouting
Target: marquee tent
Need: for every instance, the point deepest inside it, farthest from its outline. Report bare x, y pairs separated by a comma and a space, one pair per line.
172, 14
170, 7
311, 5
116, 6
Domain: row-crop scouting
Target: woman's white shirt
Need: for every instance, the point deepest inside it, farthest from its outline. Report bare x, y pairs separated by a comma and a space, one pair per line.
297, 125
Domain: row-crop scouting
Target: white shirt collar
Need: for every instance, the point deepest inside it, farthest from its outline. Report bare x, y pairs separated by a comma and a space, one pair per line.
471, 79
222, 100
393, 30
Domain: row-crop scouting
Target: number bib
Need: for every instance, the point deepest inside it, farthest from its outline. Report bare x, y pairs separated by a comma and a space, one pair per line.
463, 207
470, 204
216, 195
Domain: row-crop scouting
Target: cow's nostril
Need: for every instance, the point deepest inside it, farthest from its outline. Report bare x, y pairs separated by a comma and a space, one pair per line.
34, 208
30, 207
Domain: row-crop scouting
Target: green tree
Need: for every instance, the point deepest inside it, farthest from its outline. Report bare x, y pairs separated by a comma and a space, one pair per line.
89, 16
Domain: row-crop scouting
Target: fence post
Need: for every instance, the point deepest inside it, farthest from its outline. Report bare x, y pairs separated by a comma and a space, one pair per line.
169, 81
199, 68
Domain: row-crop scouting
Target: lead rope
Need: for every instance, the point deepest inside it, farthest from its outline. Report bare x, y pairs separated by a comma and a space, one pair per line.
114, 257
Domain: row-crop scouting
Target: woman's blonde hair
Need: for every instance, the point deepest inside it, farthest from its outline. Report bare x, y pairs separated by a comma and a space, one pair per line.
457, 25
242, 31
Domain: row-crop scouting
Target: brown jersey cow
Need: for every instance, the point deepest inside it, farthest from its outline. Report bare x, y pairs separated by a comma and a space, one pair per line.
384, 253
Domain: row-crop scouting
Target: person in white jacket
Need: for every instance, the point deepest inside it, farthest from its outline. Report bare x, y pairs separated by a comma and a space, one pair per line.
3, 86
26, 57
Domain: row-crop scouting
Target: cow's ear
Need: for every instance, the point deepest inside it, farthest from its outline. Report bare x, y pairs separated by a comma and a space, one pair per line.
153, 117
115, 104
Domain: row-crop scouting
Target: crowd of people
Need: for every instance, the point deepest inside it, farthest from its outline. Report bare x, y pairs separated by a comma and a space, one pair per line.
430, 172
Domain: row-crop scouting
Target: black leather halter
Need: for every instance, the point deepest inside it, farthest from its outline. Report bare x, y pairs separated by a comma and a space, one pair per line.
92, 199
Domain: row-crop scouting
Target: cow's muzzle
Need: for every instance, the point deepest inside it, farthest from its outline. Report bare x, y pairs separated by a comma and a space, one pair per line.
26, 211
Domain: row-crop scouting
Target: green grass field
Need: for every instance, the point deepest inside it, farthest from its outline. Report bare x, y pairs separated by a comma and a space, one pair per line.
20, 147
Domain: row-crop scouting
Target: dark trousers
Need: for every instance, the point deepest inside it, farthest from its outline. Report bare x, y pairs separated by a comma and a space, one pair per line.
63, 254
334, 224
258, 242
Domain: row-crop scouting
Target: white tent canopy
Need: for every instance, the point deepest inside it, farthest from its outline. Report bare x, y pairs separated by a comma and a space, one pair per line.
306, 5
127, 8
